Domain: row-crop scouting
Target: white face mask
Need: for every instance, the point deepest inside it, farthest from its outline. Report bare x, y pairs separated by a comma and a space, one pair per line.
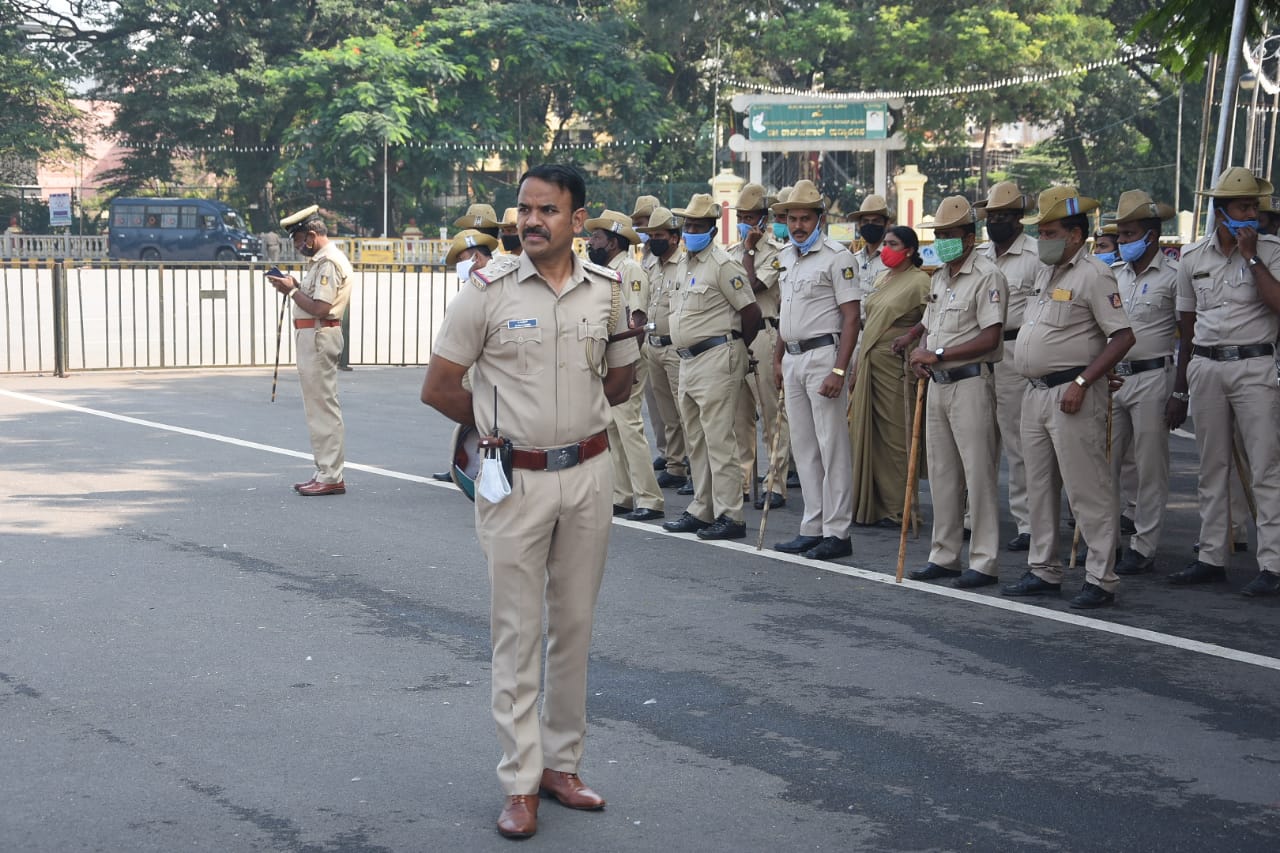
463, 269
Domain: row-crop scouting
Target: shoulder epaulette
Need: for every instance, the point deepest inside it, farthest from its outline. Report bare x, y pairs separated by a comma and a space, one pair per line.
498, 266
607, 272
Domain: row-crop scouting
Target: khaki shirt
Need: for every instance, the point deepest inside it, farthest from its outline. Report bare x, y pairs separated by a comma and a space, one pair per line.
327, 279
1067, 326
1148, 300
544, 352
635, 282
814, 286
1020, 265
1220, 290
664, 280
869, 269
711, 292
767, 269
961, 307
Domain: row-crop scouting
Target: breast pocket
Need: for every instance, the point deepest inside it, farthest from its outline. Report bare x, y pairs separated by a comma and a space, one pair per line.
1151, 306
1060, 315
955, 314
524, 346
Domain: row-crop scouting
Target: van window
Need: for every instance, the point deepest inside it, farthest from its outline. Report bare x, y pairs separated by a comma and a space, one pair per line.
128, 216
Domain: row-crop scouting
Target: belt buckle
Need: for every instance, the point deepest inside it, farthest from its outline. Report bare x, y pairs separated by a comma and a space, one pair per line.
793, 348
1039, 384
559, 458
655, 340
1229, 353
941, 376
1124, 368
684, 352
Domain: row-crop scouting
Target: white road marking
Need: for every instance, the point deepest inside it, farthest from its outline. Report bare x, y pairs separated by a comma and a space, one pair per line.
1158, 637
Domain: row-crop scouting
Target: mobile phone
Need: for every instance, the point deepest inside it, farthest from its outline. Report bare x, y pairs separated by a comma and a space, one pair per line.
274, 272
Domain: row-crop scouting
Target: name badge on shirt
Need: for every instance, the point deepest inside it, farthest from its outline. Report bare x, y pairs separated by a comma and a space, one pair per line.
522, 324
1060, 295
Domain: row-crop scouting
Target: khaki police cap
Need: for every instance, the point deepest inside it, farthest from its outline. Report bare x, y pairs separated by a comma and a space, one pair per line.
508, 217
645, 205
701, 206
1058, 203
478, 216
660, 220
618, 223
804, 196
469, 239
872, 205
954, 211
783, 195
1004, 196
294, 221
751, 198
1138, 204
1238, 182
1108, 230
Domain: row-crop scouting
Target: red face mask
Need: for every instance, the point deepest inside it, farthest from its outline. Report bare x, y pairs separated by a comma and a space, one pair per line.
893, 258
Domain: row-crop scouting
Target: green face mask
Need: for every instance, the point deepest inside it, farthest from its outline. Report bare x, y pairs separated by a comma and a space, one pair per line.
949, 249
1051, 251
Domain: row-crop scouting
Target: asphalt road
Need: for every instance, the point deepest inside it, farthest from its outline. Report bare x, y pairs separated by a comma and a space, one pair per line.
195, 658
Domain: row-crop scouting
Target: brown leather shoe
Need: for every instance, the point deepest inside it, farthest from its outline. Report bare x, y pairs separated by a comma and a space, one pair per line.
297, 487
316, 488
569, 790
519, 818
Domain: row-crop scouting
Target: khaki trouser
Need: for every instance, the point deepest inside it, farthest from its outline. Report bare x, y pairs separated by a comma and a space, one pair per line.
634, 483
1138, 426
545, 542
664, 379
819, 443
656, 424
1241, 394
964, 453
1010, 385
317, 352
1070, 450
709, 387
759, 398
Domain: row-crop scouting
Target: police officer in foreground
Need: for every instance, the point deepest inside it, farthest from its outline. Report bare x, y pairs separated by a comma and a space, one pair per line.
1148, 283
1014, 253
536, 329
714, 318
757, 251
960, 340
1072, 335
636, 495
1229, 311
818, 329
319, 301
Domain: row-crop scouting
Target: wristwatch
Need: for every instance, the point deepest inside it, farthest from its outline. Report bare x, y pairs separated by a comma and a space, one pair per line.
938, 352
838, 371
1254, 261
751, 252
1080, 380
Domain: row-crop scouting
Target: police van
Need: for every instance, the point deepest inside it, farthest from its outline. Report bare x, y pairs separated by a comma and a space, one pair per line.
178, 229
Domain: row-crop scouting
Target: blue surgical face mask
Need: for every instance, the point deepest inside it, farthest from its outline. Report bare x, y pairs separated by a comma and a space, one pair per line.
808, 242
1234, 225
743, 230
780, 231
1107, 258
1131, 252
697, 242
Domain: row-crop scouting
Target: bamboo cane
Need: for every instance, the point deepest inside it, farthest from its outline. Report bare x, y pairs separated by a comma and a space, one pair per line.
913, 458
275, 375
768, 487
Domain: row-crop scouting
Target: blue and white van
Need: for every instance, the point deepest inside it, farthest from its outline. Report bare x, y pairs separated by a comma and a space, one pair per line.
178, 229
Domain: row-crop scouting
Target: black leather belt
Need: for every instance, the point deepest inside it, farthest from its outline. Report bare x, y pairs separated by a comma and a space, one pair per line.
1059, 377
1234, 353
659, 340
702, 346
955, 374
772, 321
1010, 334
797, 347
1142, 365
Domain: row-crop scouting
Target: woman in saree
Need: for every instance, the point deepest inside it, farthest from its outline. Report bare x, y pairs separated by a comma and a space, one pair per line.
882, 398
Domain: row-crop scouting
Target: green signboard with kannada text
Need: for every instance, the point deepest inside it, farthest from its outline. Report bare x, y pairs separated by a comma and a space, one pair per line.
834, 121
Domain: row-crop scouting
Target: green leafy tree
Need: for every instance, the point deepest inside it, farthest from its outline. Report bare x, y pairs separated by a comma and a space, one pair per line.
39, 118
1187, 31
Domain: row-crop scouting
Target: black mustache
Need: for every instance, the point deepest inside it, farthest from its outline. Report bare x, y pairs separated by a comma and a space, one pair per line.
536, 232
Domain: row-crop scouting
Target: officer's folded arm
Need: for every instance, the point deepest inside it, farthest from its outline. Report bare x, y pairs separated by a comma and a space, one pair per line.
443, 391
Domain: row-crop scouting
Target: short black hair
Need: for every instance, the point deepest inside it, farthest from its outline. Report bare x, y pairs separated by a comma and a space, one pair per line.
1079, 220
564, 176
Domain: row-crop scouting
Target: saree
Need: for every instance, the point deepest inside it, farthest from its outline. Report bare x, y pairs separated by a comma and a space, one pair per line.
882, 403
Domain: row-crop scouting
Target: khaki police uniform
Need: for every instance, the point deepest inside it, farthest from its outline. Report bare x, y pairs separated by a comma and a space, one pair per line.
634, 483
1019, 264
545, 354
960, 430
813, 287
1229, 389
663, 362
1064, 329
317, 348
869, 266
704, 309
1138, 407
760, 394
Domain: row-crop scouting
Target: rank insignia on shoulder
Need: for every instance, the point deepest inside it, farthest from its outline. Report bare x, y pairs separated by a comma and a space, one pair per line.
738, 282
995, 297
847, 273
1114, 299
1060, 295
